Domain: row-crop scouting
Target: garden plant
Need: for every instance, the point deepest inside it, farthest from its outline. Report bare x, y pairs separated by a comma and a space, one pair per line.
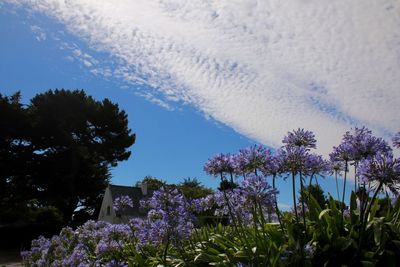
249, 228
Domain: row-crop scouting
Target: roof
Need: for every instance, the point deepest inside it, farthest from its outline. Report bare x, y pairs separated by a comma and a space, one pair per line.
135, 193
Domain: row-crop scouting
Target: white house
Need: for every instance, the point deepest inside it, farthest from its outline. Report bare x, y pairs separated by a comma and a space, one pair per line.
107, 212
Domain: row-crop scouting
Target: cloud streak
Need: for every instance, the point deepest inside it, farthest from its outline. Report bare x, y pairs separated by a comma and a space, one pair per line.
260, 67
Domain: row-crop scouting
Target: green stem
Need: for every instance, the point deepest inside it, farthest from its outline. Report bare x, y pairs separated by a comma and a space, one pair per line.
344, 190
309, 187
337, 187
278, 213
256, 232
372, 201
302, 199
243, 238
365, 219
294, 198
355, 177
166, 250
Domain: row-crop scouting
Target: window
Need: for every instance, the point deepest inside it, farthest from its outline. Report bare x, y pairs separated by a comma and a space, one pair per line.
108, 210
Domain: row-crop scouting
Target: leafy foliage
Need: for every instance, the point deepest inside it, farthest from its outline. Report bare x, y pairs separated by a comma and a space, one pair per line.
153, 183
191, 188
58, 150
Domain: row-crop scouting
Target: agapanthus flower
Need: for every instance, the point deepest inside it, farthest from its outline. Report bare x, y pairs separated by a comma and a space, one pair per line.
360, 144
251, 159
38, 255
203, 204
122, 202
343, 152
252, 194
78, 257
92, 244
169, 218
300, 138
336, 167
220, 164
256, 188
231, 204
273, 165
294, 159
315, 164
381, 169
309, 251
396, 140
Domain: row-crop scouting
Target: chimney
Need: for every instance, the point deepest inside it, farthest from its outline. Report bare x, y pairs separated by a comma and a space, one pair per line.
143, 186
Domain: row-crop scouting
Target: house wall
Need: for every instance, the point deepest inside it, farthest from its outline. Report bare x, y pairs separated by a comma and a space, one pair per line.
107, 203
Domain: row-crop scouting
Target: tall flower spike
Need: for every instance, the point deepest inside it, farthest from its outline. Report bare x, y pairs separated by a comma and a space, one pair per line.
396, 140
315, 164
220, 164
253, 193
168, 219
122, 202
300, 138
383, 168
359, 144
294, 159
251, 159
273, 165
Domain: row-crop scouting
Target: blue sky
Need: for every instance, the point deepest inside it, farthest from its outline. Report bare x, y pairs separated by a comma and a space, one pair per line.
171, 145
199, 78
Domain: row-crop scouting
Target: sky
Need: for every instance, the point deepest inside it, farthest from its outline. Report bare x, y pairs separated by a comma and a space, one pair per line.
200, 77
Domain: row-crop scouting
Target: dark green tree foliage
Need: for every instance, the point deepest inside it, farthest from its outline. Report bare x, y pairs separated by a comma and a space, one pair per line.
153, 183
16, 158
59, 149
226, 185
191, 188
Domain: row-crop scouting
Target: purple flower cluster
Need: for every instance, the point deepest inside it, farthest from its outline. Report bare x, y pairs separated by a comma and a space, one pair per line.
273, 166
248, 160
300, 138
315, 164
293, 159
92, 244
122, 202
396, 140
168, 219
336, 167
295, 156
252, 195
256, 191
358, 145
220, 164
251, 159
381, 169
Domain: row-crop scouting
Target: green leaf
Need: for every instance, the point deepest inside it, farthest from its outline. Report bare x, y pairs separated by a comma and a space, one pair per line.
353, 201
323, 213
377, 228
375, 207
353, 209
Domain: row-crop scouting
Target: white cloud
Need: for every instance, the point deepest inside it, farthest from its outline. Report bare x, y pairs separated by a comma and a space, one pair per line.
40, 35
261, 67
